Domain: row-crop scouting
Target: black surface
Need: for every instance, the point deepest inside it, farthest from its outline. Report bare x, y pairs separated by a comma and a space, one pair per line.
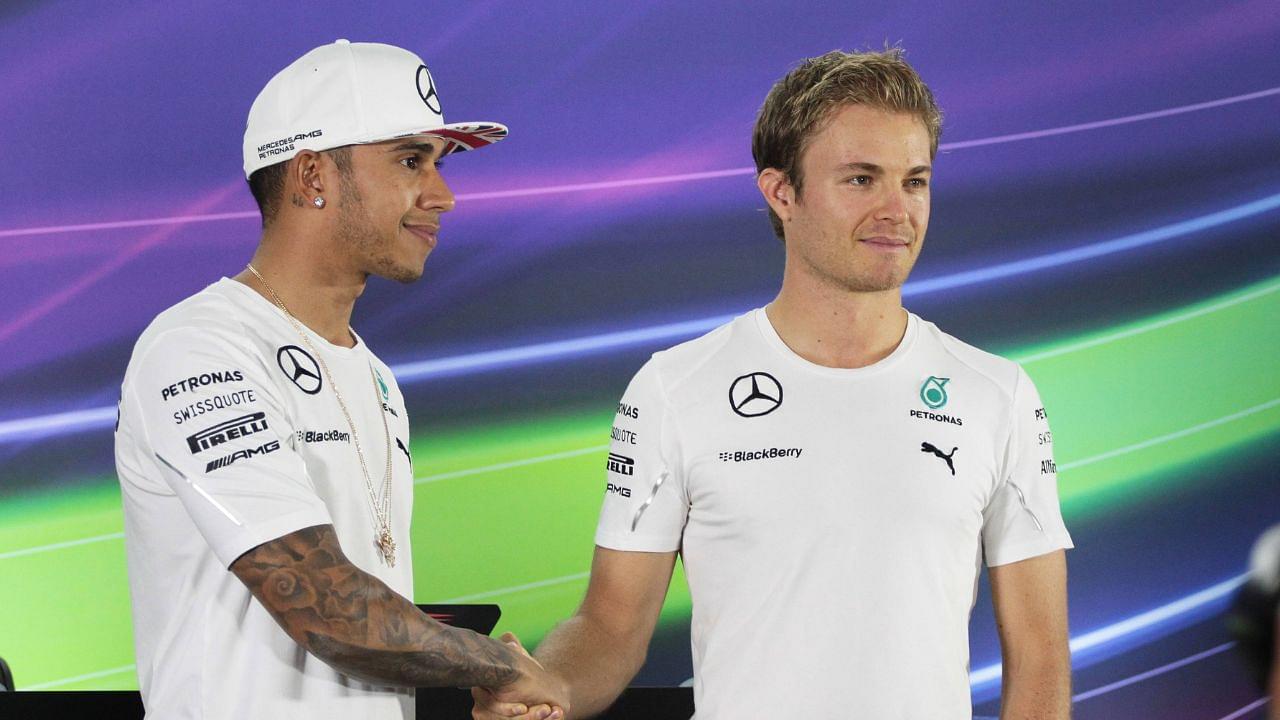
481, 618
433, 704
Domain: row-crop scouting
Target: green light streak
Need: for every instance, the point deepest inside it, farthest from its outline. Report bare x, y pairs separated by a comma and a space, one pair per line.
1134, 408
1153, 378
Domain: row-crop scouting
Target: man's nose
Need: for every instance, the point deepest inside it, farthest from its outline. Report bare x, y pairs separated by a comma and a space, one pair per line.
893, 205
436, 194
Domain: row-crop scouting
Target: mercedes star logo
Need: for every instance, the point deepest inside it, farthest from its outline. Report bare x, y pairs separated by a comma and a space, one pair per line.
755, 394
300, 367
427, 89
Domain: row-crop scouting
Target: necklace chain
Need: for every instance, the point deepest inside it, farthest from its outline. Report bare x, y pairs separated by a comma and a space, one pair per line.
379, 503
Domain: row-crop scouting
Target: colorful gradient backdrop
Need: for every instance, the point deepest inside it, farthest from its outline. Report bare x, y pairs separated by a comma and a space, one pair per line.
1106, 210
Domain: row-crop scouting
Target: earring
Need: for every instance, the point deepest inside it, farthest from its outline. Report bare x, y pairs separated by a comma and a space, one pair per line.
318, 202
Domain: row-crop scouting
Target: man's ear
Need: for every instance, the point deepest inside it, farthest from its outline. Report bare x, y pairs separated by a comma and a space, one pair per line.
306, 179
777, 191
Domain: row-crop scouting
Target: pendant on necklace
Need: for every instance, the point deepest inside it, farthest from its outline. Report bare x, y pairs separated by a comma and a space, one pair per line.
387, 546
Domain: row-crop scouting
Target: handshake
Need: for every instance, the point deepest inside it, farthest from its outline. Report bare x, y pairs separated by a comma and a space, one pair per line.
535, 694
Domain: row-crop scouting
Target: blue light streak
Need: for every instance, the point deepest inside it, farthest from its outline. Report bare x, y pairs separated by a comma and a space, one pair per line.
46, 426
1128, 633
1095, 250
525, 354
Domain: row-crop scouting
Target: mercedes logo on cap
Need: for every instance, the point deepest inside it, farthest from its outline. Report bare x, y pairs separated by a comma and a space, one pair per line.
300, 368
427, 89
755, 394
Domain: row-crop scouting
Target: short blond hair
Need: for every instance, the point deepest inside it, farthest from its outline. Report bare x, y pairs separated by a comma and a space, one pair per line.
800, 104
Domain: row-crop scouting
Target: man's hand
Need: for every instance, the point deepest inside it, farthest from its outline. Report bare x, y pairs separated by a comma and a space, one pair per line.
594, 654
535, 685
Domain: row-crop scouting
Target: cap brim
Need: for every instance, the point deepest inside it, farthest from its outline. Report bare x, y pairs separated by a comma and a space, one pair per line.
468, 136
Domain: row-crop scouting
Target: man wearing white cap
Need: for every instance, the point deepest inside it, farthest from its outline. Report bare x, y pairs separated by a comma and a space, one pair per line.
258, 433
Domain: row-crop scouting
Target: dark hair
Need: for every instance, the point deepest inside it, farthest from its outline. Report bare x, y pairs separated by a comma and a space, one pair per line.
267, 184
799, 105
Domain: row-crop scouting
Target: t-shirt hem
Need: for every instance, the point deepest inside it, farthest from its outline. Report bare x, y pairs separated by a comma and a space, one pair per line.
637, 543
251, 537
1025, 551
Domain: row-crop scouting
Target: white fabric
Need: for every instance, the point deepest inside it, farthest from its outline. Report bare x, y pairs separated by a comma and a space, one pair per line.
346, 93
206, 649
832, 562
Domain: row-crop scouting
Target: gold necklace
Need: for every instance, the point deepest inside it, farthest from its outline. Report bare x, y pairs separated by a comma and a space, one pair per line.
380, 505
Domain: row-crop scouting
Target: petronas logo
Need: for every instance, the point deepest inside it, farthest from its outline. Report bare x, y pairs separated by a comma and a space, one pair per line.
382, 385
933, 393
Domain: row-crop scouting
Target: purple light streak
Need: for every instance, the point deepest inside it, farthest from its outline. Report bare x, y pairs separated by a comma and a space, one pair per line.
666, 179
1112, 122
126, 255
144, 222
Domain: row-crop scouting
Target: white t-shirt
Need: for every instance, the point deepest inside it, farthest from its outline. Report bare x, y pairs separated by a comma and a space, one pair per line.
832, 522
223, 388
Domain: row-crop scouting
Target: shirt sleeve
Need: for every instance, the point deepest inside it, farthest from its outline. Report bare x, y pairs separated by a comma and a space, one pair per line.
1023, 518
645, 504
213, 429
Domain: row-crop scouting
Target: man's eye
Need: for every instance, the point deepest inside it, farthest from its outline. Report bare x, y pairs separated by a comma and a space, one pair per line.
410, 162
918, 183
860, 180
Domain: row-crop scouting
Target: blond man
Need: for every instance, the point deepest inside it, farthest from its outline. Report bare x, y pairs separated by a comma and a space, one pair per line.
832, 468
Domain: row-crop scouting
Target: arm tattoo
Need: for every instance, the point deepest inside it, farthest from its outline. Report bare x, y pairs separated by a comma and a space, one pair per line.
358, 625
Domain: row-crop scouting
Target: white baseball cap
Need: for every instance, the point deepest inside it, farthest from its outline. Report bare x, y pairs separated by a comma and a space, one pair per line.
349, 93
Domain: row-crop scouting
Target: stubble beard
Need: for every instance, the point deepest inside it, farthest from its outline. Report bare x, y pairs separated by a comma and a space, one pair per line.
891, 279
860, 278
358, 233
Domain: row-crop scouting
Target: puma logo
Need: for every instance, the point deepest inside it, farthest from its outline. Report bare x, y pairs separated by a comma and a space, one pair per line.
405, 450
929, 448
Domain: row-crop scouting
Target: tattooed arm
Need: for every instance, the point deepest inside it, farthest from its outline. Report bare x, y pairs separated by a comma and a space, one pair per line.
360, 627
